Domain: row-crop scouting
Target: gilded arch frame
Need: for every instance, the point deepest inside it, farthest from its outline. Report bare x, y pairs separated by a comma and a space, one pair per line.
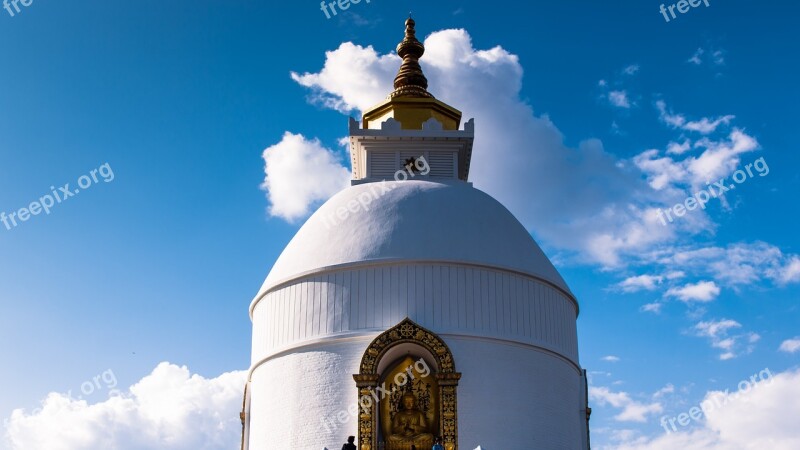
407, 331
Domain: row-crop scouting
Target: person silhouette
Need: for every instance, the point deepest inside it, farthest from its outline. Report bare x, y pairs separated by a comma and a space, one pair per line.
350, 445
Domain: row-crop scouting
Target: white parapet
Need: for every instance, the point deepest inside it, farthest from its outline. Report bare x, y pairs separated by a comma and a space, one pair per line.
377, 154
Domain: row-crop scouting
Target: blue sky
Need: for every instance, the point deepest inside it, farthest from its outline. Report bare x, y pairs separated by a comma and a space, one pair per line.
181, 98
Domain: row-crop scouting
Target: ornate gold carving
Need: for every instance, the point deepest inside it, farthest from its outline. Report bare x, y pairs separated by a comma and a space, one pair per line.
406, 331
449, 413
445, 384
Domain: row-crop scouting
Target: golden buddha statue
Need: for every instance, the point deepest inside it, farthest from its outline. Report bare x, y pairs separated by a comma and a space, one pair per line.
409, 427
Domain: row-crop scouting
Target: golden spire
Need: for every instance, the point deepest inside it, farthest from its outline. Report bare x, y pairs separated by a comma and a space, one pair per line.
410, 103
410, 81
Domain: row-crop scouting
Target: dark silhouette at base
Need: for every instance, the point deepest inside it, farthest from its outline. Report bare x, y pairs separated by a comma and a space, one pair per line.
350, 445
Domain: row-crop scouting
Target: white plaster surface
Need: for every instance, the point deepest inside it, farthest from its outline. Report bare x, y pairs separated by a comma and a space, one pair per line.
416, 220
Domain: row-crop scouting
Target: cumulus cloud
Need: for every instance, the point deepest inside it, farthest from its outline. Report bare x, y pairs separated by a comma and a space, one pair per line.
737, 264
654, 308
714, 329
353, 78
662, 172
760, 418
703, 291
790, 345
169, 409
715, 57
696, 57
788, 272
640, 282
719, 333
706, 125
714, 268
702, 126
619, 99
719, 160
631, 70
631, 410
299, 173
668, 389
675, 148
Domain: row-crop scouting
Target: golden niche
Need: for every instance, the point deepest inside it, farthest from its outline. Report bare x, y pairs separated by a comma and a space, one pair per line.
409, 413
437, 403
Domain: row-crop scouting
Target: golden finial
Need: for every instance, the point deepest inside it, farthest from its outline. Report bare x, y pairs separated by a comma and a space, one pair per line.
410, 103
410, 81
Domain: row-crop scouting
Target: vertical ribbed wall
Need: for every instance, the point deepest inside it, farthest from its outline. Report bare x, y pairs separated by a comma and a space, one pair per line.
455, 299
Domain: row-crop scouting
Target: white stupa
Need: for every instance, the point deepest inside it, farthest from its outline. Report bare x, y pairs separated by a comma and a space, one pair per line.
413, 281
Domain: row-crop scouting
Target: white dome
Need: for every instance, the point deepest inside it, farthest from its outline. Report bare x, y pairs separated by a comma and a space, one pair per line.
414, 220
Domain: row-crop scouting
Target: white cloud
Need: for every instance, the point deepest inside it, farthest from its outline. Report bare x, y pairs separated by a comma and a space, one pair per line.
718, 332
353, 78
787, 273
702, 126
300, 173
610, 358
703, 291
759, 419
169, 409
697, 57
721, 157
717, 57
674, 120
609, 211
619, 99
719, 160
677, 176
706, 125
640, 282
737, 264
631, 70
716, 329
632, 410
668, 389
663, 172
654, 308
674, 148
675, 275
790, 345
